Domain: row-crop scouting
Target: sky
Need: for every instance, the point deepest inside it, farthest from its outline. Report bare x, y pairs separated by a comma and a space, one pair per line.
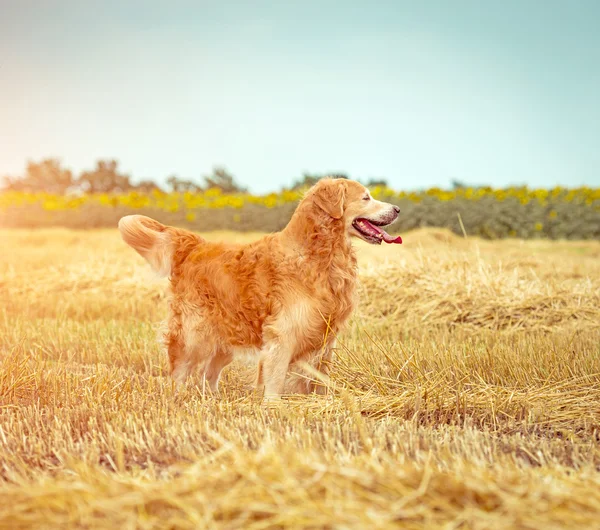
419, 93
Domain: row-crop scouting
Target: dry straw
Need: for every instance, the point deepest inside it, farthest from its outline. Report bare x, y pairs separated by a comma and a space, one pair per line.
465, 394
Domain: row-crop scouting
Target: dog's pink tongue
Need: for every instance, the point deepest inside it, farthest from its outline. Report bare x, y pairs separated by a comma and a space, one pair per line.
378, 231
389, 239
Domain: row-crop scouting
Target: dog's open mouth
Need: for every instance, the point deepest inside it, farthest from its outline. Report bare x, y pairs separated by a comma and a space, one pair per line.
372, 232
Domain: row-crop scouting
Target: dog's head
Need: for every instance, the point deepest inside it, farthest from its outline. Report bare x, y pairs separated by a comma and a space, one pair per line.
350, 202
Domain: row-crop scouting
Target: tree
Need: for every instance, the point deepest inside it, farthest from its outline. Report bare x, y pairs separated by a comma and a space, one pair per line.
457, 184
372, 182
309, 180
178, 185
336, 176
223, 180
147, 186
104, 178
47, 175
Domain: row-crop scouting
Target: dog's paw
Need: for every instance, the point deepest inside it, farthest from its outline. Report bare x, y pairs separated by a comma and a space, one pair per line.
271, 401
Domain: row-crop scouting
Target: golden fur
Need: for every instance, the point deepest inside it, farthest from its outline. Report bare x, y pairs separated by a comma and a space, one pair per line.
273, 298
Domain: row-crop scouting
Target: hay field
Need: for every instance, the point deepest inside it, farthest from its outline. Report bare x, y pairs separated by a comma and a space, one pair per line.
466, 394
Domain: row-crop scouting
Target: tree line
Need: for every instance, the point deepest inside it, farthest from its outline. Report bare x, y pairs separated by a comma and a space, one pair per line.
50, 176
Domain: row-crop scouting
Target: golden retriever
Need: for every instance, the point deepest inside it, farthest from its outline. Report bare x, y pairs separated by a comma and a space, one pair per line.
282, 299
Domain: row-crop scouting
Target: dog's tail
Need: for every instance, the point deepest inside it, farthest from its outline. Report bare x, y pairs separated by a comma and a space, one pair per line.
161, 246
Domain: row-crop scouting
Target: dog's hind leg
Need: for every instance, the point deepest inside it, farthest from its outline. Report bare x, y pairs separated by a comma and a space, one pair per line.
180, 361
182, 358
213, 371
189, 351
260, 380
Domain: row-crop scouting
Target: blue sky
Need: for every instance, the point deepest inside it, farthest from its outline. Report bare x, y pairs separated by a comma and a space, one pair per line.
419, 93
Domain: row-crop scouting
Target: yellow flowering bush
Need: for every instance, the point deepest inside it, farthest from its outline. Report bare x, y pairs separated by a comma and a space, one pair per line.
214, 198
484, 211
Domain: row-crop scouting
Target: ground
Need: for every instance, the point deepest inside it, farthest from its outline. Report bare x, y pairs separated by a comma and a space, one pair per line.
465, 394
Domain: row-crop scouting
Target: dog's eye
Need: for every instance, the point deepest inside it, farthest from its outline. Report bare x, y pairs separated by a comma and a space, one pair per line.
366, 198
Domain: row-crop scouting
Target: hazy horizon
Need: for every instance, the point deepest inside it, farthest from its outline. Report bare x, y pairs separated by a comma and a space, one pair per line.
416, 93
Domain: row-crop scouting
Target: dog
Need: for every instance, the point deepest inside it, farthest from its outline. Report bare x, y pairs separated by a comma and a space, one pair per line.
282, 299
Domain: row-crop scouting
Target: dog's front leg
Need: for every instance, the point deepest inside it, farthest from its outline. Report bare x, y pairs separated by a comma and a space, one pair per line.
322, 363
275, 359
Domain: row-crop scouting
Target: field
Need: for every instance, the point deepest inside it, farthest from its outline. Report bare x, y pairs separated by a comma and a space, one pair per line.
465, 394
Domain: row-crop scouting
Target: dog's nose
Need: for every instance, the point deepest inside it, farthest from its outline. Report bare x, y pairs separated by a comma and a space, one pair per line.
397, 209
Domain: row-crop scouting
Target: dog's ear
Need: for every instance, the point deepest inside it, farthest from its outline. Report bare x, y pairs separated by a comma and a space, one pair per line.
330, 196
